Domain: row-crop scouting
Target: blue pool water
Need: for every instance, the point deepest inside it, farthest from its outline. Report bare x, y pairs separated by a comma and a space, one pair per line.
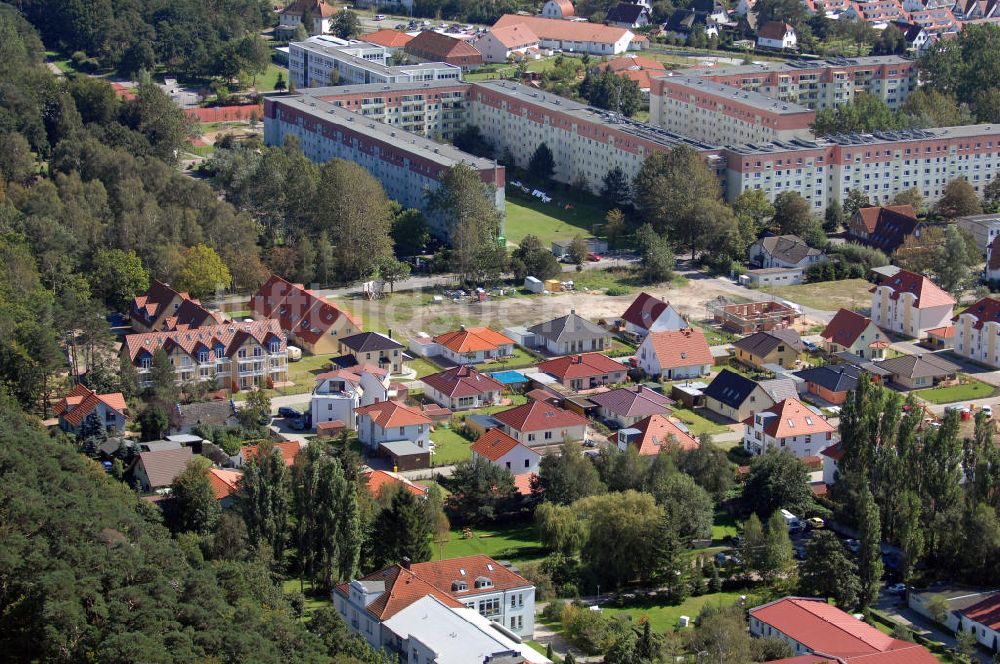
509, 377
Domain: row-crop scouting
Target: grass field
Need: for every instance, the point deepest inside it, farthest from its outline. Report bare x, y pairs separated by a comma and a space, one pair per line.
521, 358
698, 424
551, 221
516, 542
303, 373
826, 295
663, 617
423, 366
494, 71
968, 390
266, 81
313, 602
450, 447
724, 525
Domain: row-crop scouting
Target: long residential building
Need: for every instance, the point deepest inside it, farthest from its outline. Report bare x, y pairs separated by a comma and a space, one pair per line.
325, 60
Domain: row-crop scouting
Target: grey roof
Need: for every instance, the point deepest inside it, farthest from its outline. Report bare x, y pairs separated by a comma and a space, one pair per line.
159, 445
624, 12
403, 448
762, 343
755, 99
162, 467
213, 413
779, 389
833, 377
788, 248
925, 365
873, 368
372, 586
800, 65
368, 341
570, 327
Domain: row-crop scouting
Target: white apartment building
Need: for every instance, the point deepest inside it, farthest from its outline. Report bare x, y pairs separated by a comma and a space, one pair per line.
338, 393
312, 63
984, 228
788, 425
910, 304
977, 332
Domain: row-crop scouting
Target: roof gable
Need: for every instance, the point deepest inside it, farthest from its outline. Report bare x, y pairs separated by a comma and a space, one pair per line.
581, 365
679, 348
570, 327
730, 388
658, 432
538, 416
392, 414
845, 328
761, 344
495, 444
927, 294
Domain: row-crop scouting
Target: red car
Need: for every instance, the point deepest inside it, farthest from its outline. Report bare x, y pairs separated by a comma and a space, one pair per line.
593, 258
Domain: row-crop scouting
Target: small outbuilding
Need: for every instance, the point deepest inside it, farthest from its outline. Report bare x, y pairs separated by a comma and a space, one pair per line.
405, 455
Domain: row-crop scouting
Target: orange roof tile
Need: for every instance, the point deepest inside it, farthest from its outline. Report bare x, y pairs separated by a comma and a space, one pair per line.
681, 348
402, 588
81, 401
470, 340
928, 294
224, 482
229, 336
289, 449
442, 573
845, 328
515, 36
377, 480
791, 418
388, 38
581, 366
538, 416
392, 414
555, 29
523, 482
494, 444
658, 432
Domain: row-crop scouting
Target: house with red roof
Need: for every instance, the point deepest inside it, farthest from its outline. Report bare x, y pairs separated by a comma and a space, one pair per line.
648, 313
910, 304
856, 334
288, 449
635, 68
653, 434
627, 405
224, 483
538, 423
311, 321
983, 620
471, 345
237, 355
392, 421
558, 9
820, 632
675, 354
83, 407
788, 425
777, 34
512, 41
884, 228
163, 309
585, 371
992, 270
432, 46
378, 481
462, 388
501, 450
577, 36
394, 40
976, 332
294, 13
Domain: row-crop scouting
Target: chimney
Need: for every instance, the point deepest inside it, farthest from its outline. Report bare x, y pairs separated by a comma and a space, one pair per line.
390, 333
639, 389
579, 359
405, 562
572, 312
462, 327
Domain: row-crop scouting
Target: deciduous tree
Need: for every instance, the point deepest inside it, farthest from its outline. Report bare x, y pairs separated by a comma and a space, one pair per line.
958, 200
829, 572
202, 271
566, 477
194, 505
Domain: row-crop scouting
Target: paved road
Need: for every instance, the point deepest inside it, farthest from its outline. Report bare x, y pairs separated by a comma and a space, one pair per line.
894, 607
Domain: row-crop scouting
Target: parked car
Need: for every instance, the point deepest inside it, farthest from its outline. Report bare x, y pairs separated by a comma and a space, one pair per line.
294, 353
896, 589
810, 346
593, 258
302, 423
988, 410
289, 413
815, 522
379, 17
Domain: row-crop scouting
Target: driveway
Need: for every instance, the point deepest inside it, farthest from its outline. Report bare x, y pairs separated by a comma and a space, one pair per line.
892, 606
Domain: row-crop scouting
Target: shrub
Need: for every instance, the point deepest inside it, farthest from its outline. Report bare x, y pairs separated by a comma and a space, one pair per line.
553, 610
618, 290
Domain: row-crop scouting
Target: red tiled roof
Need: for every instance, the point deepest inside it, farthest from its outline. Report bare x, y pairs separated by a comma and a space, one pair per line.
152, 305
774, 30
331, 426
946, 332
392, 414
442, 573
81, 401
985, 310
681, 348
223, 481
581, 366
845, 328
624, 63
555, 29
659, 431
494, 444
538, 394
645, 308
388, 38
886, 227
835, 452
985, 612
439, 47
402, 588
566, 7
229, 335
994, 254
462, 381
538, 416
288, 449
515, 36
300, 311
791, 418
315, 7
377, 480
522, 483
472, 339
928, 294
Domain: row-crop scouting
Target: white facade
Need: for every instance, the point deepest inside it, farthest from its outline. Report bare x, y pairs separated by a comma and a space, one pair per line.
902, 316
519, 461
476, 356
650, 362
494, 50
554, 436
787, 41
313, 63
984, 228
480, 400
982, 345
335, 398
320, 24
554, 9
756, 441
372, 435
669, 319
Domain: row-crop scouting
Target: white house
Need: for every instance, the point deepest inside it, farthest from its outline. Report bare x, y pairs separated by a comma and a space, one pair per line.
856, 334
570, 334
471, 345
462, 388
537, 423
321, 14
577, 36
390, 421
338, 393
910, 304
648, 313
783, 251
501, 450
977, 330
560, 9
984, 228
675, 354
777, 34
787, 425
501, 44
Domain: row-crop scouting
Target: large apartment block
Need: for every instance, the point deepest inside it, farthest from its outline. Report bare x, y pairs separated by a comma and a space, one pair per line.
325, 60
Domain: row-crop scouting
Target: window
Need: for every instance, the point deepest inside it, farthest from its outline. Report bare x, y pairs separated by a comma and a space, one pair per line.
527, 463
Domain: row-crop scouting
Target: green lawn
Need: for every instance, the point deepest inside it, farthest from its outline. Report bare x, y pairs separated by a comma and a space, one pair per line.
826, 295
495, 71
968, 390
698, 424
516, 542
303, 373
521, 358
724, 525
63, 63
450, 447
716, 336
266, 81
663, 617
423, 366
527, 215
313, 602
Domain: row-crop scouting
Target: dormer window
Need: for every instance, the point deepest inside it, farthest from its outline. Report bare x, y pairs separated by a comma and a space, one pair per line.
483, 582
202, 356
459, 586
274, 346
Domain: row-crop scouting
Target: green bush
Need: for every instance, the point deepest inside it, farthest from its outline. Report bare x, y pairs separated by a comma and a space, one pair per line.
618, 290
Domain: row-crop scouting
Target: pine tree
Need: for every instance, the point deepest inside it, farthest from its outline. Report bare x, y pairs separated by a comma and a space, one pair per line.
403, 530
870, 566
668, 565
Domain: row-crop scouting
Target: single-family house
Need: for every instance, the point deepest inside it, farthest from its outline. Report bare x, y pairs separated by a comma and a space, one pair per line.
558, 9
462, 388
831, 382
374, 348
390, 421
884, 228
313, 323
653, 434
294, 13
585, 371
473, 345
983, 620
378, 481
682, 22
788, 425
648, 313
287, 449
992, 271
915, 35
915, 372
506, 43
163, 309
156, 470
393, 40
433, 46
786, 251
734, 396
538, 423
85, 411
779, 346
976, 332
504, 451
851, 332
778, 35
338, 393
224, 483
627, 405
217, 413
628, 15
675, 354
828, 635
910, 304
571, 334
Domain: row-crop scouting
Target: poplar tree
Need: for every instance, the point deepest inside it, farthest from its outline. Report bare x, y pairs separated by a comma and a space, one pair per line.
870, 566
262, 499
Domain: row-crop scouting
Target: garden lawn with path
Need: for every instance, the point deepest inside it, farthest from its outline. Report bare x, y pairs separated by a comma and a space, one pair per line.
526, 215
969, 389
450, 447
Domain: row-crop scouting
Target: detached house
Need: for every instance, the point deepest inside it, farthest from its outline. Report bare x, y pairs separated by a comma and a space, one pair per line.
627, 15
779, 346
309, 320
472, 345
648, 313
627, 405
390, 421
777, 34
910, 304
462, 388
538, 423
157, 470
915, 372
783, 251
654, 434
735, 396
339, 393
883, 228
163, 309
571, 334
788, 425
298, 11
851, 332
82, 407
977, 330
373, 348
431, 46
675, 354
502, 44
831, 382
585, 371
501, 450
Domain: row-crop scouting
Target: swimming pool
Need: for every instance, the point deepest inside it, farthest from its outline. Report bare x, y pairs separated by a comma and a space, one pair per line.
509, 377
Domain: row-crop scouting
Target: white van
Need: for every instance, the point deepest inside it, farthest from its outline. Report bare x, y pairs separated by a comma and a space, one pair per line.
791, 520
294, 353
